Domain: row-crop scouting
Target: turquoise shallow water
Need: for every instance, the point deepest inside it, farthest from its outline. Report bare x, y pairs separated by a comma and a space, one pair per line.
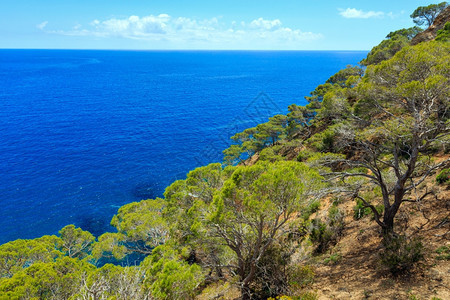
84, 132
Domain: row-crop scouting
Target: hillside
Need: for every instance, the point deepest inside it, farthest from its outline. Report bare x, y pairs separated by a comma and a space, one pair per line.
347, 197
431, 32
357, 272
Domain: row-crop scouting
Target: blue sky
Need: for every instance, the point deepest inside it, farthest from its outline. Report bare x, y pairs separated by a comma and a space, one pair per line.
203, 24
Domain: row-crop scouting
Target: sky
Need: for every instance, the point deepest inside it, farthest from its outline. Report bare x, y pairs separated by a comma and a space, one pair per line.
202, 24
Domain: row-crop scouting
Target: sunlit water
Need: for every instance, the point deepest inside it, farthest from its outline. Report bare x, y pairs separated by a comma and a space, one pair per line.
84, 132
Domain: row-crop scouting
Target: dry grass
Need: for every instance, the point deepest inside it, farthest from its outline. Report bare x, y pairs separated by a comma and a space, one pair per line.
358, 273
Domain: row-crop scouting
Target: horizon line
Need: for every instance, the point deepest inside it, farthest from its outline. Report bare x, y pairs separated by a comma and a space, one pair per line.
185, 50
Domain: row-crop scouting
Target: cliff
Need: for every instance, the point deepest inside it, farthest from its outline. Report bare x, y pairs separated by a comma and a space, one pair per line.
430, 33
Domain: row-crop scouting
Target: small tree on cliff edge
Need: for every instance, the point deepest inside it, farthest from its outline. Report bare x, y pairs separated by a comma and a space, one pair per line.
427, 14
403, 114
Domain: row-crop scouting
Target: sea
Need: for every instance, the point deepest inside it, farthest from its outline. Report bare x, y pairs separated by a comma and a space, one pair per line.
83, 132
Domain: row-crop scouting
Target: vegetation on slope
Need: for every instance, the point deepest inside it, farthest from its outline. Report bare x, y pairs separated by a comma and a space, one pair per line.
247, 228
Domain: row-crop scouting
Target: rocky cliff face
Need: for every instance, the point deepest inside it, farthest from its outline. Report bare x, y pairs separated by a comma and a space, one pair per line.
431, 32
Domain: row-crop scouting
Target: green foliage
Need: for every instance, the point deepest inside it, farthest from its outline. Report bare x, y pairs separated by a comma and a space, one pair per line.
253, 208
300, 277
320, 91
411, 296
329, 102
444, 253
443, 35
403, 110
299, 120
304, 155
324, 234
273, 278
322, 141
110, 245
332, 259
187, 200
140, 226
233, 154
310, 209
51, 280
408, 32
401, 254
270, 154
425, 15
257, 138
360, 210
335, 107
20, 254
332, 139
308, 296
75, 242
170, 277
394, 42
443, 176
111, 282
245, 222
321, 235
341, 77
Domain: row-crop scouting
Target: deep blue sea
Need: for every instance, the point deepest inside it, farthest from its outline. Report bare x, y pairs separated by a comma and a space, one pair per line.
85, 132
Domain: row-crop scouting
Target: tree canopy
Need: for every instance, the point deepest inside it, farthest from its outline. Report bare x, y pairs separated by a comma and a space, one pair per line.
425, 15
367, 134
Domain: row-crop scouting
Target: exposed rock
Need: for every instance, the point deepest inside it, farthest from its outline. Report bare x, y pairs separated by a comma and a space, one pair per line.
431, 32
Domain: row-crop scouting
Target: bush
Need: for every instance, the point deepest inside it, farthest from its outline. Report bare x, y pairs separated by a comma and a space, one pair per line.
359, 210
400, 254
443, 176
332, 259
323, 141
302, 296
321, 235
325, 234
310, 209
304, 155
444, 253
444, 34
300, 277
272, 274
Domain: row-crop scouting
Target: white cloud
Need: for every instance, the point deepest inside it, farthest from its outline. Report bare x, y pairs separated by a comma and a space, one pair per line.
132, 27
266, 24
183, 32
42, 25
353, 13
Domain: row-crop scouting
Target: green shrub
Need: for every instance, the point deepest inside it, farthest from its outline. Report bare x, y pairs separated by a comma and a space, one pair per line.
308, 296
443, 176
360, 211
320, 235
300, 277
332, 259
270, 154
325, 234
335, 216
304, 155
400, 254
444, 253
310, 209
444, 34
323, 141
